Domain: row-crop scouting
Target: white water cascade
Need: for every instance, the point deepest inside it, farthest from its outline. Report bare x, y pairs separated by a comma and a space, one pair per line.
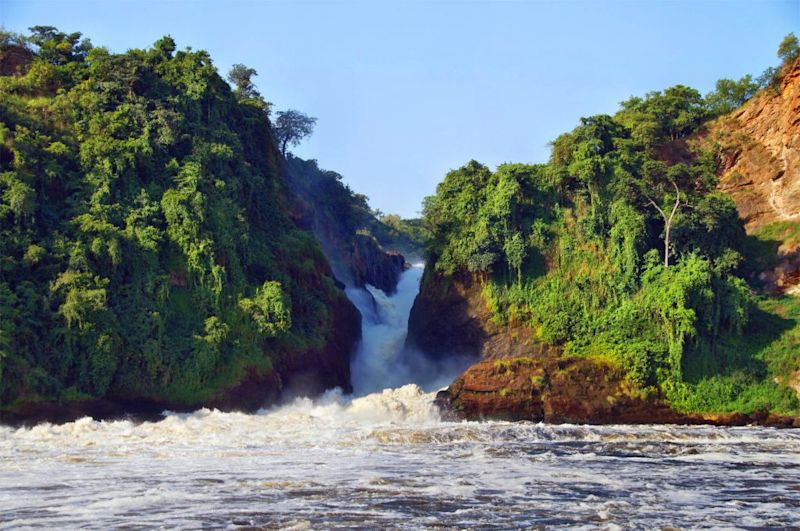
381, 361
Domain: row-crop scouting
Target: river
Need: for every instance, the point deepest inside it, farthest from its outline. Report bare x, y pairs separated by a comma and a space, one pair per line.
384, 460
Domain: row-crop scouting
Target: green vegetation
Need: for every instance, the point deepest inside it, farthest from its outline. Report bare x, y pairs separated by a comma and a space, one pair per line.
409, 236
788, 52
621, 248
147, 248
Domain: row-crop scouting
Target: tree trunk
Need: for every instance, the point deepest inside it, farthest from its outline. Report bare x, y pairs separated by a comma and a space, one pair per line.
668, 220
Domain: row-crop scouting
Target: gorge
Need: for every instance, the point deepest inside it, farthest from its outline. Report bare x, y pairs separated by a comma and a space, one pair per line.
200, 329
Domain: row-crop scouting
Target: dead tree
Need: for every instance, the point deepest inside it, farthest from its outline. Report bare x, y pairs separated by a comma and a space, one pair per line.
667, 219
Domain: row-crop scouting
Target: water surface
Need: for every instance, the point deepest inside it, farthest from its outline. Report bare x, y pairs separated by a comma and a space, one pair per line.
386, 461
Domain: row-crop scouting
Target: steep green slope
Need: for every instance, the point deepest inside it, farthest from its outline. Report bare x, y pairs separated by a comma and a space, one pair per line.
147, 247
621, 249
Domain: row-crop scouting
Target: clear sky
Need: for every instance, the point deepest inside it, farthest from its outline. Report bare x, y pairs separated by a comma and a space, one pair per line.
405, 91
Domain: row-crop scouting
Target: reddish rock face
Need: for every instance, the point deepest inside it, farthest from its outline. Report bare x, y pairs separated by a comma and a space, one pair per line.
761, 153
760, 168
577, 391
551, 390
15, 60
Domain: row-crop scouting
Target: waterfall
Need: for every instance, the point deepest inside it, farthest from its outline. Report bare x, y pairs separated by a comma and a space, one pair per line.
380, 361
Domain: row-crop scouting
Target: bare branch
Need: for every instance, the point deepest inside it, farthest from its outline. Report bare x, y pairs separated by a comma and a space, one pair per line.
664, 215
677, 202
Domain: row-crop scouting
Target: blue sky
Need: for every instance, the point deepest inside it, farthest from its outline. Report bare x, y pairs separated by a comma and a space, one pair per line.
405, 91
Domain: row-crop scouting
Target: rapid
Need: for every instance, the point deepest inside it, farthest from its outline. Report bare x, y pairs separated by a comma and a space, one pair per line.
382, 459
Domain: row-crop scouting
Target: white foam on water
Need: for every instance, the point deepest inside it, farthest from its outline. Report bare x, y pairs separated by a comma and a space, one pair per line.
385, 460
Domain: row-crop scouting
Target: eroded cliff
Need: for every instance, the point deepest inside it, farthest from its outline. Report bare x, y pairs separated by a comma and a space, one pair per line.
760, 143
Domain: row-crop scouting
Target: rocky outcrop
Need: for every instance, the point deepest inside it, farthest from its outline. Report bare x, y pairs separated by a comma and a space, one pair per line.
551, 390
516, 377
760, 146
559, 390
450, 318
372, 264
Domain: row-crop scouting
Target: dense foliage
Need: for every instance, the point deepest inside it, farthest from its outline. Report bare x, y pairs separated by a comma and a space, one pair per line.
622, 248
146, 244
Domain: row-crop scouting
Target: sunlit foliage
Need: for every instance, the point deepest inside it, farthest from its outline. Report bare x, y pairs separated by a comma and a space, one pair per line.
146, 245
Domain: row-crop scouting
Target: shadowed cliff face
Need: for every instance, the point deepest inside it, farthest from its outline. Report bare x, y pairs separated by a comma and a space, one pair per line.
322, 204
14, 60
372, 264
450, 318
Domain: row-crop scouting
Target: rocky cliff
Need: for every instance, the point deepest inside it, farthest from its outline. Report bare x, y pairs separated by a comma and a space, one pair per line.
450, 318
760, 145
760, 169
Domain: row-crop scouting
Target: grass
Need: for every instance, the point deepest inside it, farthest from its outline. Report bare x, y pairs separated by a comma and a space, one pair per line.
763, 245
787, 232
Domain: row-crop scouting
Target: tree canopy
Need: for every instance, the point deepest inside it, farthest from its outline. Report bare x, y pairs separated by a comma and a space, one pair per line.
291, 127
789, 49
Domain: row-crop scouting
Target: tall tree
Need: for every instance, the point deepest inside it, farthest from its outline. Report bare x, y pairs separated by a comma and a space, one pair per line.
730, 94
291, 127
789, 49
658, 186
57, 47
240, 76
668, 218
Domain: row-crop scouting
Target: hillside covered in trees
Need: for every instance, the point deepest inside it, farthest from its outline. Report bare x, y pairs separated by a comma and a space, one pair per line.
620, 250
151, 246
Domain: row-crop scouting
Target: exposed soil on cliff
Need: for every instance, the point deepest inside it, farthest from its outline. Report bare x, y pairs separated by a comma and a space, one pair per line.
15, 60
759, 145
